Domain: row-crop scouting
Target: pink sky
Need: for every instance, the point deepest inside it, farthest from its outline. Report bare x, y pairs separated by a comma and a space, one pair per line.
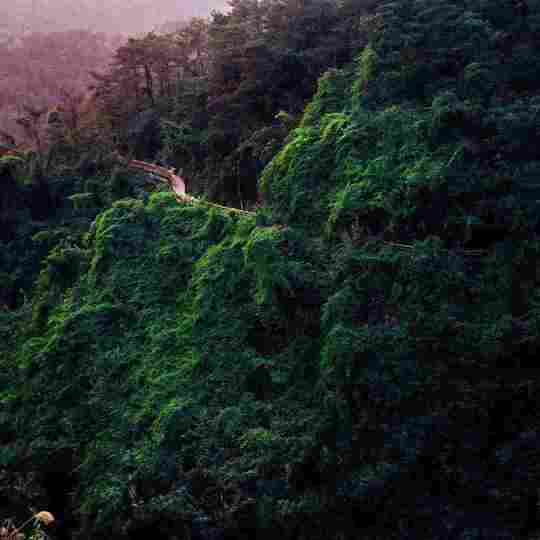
124, 16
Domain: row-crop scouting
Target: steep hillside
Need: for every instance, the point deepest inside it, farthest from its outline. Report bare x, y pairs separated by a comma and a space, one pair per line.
357, 360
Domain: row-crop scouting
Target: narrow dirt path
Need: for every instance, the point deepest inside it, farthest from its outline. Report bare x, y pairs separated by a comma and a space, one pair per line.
175, 182
178, 185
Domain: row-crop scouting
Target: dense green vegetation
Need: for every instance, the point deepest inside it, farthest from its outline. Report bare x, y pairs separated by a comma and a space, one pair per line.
355, 360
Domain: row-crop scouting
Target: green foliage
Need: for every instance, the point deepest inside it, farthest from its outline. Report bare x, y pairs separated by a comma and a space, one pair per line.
366, 72
297, 175
334, 171
329, 98
258, 440
263, 254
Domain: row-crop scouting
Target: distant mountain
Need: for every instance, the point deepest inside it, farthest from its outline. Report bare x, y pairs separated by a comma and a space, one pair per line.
112, 16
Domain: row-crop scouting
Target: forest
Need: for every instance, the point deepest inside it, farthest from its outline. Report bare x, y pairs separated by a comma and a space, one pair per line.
353, 356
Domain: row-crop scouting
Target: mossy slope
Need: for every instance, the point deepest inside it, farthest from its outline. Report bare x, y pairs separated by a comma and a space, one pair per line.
337, 366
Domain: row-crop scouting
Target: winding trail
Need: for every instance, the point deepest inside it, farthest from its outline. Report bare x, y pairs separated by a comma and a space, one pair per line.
177, 185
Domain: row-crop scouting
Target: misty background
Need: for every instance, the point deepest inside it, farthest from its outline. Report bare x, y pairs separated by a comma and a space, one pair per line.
48, 48
111, 16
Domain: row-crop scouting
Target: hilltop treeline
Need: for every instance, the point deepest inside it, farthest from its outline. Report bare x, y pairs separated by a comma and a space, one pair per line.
207, 97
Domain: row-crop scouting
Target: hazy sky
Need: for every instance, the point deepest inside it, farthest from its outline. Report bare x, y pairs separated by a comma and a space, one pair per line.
125, 16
